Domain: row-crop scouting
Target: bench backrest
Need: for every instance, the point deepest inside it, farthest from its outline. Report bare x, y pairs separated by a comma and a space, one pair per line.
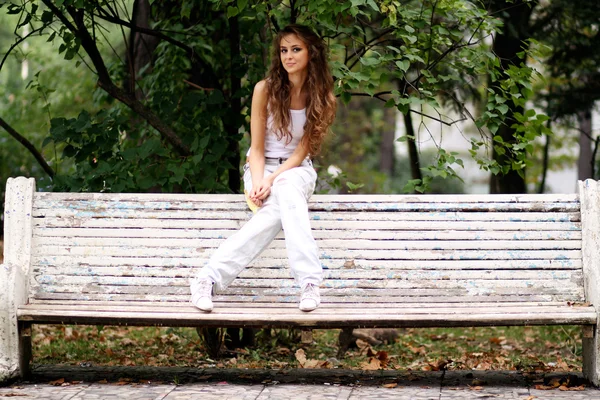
374, 248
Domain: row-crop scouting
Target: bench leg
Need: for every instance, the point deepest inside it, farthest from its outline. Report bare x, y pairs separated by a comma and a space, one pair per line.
591, 362
344, 341
11, 294
25, 353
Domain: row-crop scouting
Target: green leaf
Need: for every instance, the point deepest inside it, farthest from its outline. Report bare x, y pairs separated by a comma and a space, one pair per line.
369, 61
373, 5
14, 9
346, 96
47, 17
503, 108
404, 65
241, 4
186, 9
202, 143
215, 97
232, 11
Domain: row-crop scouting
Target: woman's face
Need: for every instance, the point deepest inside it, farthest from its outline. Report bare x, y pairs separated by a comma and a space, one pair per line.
293, 53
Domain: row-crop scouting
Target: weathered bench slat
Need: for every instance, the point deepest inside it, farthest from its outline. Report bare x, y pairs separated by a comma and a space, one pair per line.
143, 243
376, 198
343, 206
53, 304
458, 254
315, 224
144, 283
581, 316
96, 292
356, 296
333, 263
74, 232
336, 216
325, 310
149, 273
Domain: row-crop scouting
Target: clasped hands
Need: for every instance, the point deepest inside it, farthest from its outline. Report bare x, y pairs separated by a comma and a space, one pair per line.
260, 191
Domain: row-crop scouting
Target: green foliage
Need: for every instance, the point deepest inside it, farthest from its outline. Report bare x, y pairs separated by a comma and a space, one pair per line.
424, 56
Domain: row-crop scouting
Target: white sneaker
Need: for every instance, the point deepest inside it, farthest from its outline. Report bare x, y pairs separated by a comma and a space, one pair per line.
202, 289
311, 298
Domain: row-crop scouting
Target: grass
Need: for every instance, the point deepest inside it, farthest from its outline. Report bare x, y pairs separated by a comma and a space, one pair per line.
556, 348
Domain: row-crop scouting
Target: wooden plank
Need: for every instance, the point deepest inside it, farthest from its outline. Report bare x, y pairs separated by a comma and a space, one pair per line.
284, 273
350, 198
286, 309
57, 303
317, 215
347, 244
438, 254
444, 282
315, 205
364, 289
312, 319
358, 298
332, 263
111, 232
315, 224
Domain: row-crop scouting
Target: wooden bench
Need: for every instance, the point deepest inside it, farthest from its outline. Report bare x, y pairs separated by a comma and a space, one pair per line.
389, 261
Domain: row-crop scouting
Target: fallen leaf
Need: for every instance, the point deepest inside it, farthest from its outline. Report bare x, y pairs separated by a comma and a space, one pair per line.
57, 382
372, 364
440, 365
544, 387
574, 388
417, 350
306, 363
301, 356
390, 385
555, 382
475, 387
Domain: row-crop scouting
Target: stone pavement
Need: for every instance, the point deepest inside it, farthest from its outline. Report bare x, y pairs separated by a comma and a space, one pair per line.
133, 383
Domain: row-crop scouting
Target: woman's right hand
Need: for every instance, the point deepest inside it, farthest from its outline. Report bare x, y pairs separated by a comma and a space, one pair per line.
260, 191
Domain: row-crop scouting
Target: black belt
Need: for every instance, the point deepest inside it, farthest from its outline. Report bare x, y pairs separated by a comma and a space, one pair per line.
280, 160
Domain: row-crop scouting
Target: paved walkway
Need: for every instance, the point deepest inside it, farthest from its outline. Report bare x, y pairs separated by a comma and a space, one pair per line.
70, 383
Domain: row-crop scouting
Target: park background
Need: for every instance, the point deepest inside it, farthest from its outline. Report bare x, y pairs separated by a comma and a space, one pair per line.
435, 96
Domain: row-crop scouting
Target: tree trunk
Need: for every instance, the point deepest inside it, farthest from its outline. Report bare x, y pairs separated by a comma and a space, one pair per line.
585, 163
413, 152
546, 156
140, 47
232, 125
387, 147
507, 46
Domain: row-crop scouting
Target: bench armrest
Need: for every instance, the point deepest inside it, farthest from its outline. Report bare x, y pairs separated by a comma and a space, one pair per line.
13, 293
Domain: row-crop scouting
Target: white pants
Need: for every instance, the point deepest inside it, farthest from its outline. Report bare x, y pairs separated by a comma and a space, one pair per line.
285, 207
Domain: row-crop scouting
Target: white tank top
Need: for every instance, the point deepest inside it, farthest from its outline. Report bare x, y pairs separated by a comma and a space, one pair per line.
281, 148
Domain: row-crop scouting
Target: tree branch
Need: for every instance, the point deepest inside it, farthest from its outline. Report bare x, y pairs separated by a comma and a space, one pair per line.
15, 44
29, 146
106, 83
379, 95
189, 50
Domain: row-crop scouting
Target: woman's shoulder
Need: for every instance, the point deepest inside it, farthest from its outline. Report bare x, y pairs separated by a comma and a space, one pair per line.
261, 87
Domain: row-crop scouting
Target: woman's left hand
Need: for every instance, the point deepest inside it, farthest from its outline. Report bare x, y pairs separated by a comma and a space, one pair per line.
261, 191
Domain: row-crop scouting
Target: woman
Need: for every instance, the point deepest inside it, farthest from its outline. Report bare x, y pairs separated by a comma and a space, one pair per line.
292, 110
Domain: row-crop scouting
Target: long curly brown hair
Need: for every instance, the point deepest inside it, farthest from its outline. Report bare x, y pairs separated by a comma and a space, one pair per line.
320, 100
